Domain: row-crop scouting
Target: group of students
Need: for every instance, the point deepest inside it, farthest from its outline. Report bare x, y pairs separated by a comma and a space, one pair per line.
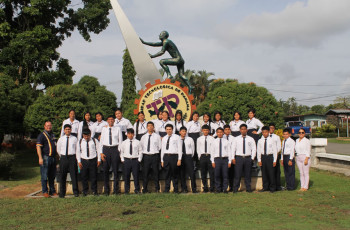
223, 151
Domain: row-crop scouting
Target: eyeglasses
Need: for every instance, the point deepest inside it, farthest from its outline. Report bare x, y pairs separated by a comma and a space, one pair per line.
301, 132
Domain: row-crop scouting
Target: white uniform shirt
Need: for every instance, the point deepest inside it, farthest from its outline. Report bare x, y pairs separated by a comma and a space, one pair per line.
160, 127
201, 145
179, 124
62, 144
74, 124
271, 148
93, 150
303, 147
80, 130
123, 123
175, 146
277, 141
124, 149
215, 149
230, 138
193, 127
142, 127
189, 145
250, 147
288, 148
97, 127
117, 137
155, 143
212, 127
234, 125
255, 123
219, 124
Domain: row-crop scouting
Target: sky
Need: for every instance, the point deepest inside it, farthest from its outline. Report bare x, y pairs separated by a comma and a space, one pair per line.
293, 48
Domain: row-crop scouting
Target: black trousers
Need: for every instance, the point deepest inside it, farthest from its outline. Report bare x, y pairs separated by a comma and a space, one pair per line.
195, 136
112, 160
254, 136
187, 168
243, 164
151, 165
268, 173
172, 171
124, 135
131, 166
68, 164
289, 172
278, 172
221, 174
89, 170
162, 134
139, 136
235, 133
206, 167
231, 176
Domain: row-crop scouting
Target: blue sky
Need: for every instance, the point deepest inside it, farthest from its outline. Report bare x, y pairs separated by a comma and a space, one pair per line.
293, 48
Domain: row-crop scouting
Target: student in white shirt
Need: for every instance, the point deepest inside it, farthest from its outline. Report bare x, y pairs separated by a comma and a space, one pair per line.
194, 131
89, 160
66, 149
254, 125
221, 160
187, 167
278, 143
97, 126
179, 122
140, 126
85, 124
303, 152
231, 171
131, 156
218, 120
207, 121
151, 145
160, 127
288, 161
122, 122
236, 123
157, 120
72, 122
244, 152
267, 158
204, 145
171, 158
111, 138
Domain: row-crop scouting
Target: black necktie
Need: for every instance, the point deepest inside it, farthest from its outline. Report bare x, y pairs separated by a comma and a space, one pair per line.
284, 145
270, 135
130, 147
265, 146
206, 148
244, 145
167, 143
87, 149
110, 136
149, 143
227, 137
67, 146
220, 147
183, 147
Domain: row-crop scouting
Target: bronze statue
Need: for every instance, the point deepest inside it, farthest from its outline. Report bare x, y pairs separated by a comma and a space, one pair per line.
168, 45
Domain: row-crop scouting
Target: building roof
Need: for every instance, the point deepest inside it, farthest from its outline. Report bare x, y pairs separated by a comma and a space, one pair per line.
338, 112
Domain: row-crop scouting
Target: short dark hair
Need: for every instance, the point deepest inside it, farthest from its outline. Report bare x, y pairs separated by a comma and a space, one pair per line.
227, 127
86, 132
265, 128
67, 126
219, 129
251, 110
118, 109
72, 110
272, 124
205, 127
243, 125
150, 123
99, 113
169, 125
183, 128
130, 131
240, 115
286, 130
194, 113
110, 117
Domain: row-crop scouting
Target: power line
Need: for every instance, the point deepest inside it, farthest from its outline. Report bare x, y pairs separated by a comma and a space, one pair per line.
304, 85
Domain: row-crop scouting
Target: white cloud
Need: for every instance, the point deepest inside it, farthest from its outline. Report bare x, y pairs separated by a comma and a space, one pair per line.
304, 24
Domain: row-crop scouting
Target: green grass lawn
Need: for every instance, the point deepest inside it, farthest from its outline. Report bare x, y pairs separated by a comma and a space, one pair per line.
338, 141
325, 206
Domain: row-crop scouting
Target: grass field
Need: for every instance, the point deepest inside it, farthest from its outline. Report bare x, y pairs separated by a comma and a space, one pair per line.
339, 140
325, 206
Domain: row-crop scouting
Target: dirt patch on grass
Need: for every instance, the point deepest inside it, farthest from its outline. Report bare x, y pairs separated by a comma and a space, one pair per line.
19, 191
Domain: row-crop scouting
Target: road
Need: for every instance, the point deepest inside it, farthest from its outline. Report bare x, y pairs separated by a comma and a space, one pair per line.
338, 148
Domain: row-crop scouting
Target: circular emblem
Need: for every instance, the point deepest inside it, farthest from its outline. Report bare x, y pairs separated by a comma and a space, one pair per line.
164, 96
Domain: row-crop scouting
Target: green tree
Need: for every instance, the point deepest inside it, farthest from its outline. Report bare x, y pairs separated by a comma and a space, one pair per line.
319, 109
55, 103
229, 96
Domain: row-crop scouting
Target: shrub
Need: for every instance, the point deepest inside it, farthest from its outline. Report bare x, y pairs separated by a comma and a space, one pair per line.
6, 164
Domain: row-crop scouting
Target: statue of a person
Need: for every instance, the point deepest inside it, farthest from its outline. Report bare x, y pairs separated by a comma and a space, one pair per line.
168, 45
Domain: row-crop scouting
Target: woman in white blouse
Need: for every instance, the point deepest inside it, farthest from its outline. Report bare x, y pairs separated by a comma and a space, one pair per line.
303, 151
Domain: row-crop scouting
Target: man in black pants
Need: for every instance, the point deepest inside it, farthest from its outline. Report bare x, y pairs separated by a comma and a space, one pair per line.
267, 157
111, 137
288, 159
89, 160
277, 140
66, 148
151, 145
203, 149
171, 158
187, 166
244, 152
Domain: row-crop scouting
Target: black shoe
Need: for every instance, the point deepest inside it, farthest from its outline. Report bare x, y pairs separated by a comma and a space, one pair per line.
262, 190
205, 190
230, 190
272, 191
95, 194
194, 191
235, 191
76, 195
84, 194
184, 191
166, 191
279, 188
225, 192
157, 191
249, 190
61, 196
144, 191
106, 193
126, 193
136, 192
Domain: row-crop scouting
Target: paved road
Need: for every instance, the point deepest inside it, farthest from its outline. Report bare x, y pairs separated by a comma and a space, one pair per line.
338, 148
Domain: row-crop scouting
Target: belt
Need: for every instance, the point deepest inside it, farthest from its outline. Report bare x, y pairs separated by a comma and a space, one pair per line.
205, 154
130, 159
248, 156
170, 154
110, 147
224, 158
95, 158
150, 154
68, 156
